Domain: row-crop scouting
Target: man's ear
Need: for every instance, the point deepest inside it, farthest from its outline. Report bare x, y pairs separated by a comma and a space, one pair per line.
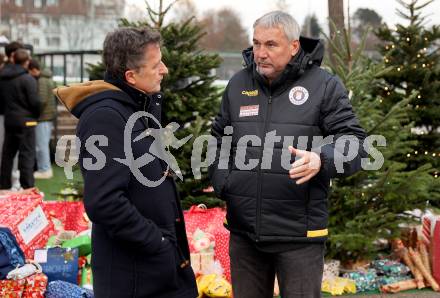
294, 47
129, 77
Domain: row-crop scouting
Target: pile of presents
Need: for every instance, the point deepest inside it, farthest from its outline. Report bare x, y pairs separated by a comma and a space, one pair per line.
49, 245
45, 247
413, 264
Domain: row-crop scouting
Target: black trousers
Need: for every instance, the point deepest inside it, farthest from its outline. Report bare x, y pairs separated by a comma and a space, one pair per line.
21, 139
299, 271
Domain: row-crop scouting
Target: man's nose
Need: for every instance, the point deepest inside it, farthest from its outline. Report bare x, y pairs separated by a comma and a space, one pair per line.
164, 69
261, 53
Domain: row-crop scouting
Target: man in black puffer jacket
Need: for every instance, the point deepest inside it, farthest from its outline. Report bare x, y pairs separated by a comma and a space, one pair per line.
22, 108
281, 107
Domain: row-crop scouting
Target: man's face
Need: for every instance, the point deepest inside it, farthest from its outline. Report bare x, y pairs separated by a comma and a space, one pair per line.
151, 72
272, 51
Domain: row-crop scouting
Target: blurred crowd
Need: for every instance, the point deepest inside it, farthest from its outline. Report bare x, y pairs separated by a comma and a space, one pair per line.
27, 114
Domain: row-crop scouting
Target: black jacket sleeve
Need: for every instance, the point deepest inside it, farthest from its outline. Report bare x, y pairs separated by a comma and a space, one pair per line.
219, 176
33, 98
106, 190
339, 120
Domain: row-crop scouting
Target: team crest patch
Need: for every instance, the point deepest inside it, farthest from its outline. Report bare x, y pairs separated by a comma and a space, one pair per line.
298, 95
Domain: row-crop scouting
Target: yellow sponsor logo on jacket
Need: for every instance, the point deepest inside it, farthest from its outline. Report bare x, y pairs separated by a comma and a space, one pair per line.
250, 93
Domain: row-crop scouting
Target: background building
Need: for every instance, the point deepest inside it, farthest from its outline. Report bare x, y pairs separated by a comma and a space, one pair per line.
53, 25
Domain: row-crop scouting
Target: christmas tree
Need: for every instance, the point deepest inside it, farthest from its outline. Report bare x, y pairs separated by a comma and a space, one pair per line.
191, 98
412, 51
369, 206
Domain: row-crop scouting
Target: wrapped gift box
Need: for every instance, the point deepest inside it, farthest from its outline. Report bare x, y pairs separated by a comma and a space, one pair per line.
12, 285
35, 286
34, 294
25, 217
431, 236
71, 215
13, 294
36, 282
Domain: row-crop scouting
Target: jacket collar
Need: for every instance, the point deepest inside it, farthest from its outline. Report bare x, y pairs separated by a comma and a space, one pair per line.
140, 98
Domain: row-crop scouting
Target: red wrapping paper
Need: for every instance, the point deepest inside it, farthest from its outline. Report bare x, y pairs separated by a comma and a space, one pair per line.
211, 221
12, 285
33, 286
25, 216
435, 250
34, 294
36, 282
12, 294
71, 214
431, 237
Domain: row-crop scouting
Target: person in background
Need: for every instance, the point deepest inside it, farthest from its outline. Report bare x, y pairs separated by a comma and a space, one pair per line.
22, 109
6, 63
44, 127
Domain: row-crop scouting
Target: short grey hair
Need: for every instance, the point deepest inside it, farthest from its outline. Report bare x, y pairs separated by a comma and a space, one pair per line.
124, 49
280, 19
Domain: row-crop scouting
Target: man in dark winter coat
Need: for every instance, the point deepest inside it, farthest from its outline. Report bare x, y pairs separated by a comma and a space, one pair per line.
22, 109
139, 244
275, 159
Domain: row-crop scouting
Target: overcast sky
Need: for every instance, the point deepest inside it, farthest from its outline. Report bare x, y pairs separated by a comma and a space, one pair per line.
249, 10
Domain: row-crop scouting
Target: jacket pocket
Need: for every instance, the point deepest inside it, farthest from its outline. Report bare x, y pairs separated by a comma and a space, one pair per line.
220, 181
156, 272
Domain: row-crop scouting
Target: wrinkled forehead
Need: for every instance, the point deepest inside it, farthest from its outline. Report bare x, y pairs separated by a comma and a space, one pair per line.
264, 34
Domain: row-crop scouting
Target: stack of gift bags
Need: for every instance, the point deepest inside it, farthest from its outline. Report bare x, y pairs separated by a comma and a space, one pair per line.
208, 243
45, 247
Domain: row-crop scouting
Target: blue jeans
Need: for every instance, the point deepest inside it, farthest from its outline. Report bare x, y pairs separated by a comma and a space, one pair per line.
43, 132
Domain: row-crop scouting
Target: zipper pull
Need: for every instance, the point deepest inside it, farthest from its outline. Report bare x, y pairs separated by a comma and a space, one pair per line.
270, 99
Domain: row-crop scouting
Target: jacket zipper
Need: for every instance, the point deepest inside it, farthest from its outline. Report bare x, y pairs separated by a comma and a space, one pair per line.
259, 188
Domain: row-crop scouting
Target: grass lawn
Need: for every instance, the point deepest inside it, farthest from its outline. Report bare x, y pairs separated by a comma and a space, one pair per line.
59, 181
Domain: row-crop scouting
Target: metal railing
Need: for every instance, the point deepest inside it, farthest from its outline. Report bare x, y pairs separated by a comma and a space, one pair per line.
231, 64
65, 54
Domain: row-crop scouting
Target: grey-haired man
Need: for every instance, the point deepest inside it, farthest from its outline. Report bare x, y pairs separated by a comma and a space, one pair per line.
278, 214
